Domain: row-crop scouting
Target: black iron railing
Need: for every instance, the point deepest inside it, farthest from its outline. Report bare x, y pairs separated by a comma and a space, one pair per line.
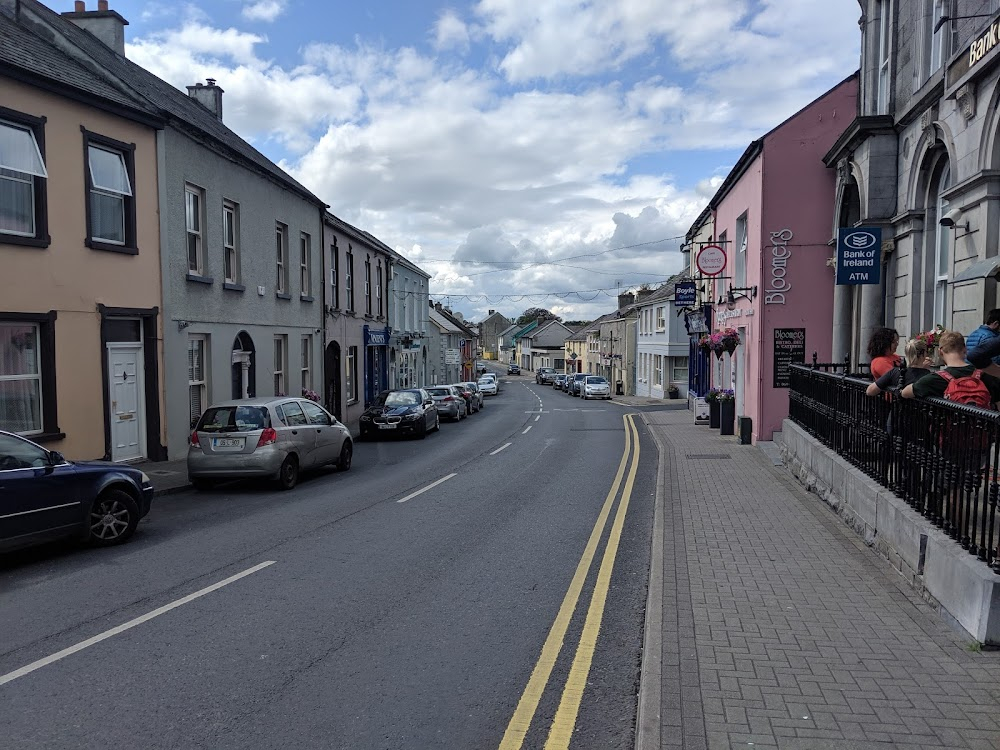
942, 458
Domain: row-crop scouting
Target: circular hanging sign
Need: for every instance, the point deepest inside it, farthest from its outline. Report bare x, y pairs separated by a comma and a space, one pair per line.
711, 260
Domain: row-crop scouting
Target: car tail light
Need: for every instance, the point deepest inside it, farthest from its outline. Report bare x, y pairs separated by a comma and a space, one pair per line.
194, 439
267, 437
448, 398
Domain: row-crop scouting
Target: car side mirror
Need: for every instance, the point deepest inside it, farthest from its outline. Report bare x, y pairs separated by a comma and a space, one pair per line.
429, 402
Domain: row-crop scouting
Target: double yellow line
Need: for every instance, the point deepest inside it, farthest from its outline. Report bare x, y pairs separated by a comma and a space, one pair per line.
569, 705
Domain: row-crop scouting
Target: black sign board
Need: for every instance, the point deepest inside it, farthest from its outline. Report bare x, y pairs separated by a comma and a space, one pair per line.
789, 348
685, 294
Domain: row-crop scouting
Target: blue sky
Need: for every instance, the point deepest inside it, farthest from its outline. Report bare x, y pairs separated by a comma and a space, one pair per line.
507, 134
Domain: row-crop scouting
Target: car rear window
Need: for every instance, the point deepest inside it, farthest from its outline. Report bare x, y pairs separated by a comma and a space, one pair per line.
234, 419
439, 391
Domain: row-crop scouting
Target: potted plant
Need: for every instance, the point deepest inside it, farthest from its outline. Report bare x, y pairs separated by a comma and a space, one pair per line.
720, 342
712, 399
727, 412
673, 391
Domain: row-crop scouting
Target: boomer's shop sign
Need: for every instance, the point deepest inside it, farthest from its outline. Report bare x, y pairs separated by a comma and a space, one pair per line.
778, 283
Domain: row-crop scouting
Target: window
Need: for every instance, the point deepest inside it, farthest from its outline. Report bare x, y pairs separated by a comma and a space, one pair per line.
939, 34
661, 322
884, 57
658, 369
335, 275
368, 286
307, 345
291, 414
942, 249
378, 290
111, 202
193, 206
679, 373
349, 281
231, 240
20, 378
16, 454
315, 414
22, 179
740, 272
280, 364
197, 382
281, 257
305, 264
351, 374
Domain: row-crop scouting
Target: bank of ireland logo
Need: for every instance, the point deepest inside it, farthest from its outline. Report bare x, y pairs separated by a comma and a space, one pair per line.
860, 240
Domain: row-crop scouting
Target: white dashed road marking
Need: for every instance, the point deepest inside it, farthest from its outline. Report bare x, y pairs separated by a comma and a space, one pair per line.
431, 486
502, 447
526, 430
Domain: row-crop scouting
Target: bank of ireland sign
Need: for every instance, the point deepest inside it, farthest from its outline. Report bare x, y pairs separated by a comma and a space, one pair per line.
859, 255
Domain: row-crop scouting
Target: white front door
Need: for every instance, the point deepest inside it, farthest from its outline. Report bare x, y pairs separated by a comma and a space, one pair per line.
125, 382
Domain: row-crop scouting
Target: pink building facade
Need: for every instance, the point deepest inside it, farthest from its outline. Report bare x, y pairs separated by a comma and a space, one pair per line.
772, 218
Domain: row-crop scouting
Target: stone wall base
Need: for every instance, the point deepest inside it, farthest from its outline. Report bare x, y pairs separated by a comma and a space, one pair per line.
958, 584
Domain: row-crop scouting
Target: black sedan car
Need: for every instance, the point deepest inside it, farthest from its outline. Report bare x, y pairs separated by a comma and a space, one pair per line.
409, 411
513, 369
43, 497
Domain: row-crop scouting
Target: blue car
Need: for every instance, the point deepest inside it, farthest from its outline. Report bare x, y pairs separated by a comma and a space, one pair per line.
44, 497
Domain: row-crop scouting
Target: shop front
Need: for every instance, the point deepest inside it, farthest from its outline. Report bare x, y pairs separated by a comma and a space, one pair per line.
376, 362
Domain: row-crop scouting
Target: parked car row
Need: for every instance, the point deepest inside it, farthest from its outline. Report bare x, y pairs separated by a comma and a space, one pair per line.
44, 497
583, 384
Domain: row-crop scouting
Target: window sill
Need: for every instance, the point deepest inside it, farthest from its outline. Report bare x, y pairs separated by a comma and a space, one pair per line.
46, 437
15, 239
197, 279
368, 317
230, 286
351, 313
110, 248
307, 298
283, 295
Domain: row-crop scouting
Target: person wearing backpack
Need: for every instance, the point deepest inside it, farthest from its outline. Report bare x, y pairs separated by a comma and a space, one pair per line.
957, 381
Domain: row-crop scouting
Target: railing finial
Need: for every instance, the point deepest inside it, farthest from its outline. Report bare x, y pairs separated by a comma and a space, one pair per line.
815, 360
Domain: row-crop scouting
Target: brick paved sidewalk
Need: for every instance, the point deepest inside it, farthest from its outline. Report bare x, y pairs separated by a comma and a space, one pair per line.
780, 629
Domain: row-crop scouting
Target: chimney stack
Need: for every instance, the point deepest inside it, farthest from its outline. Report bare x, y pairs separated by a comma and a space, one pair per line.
626, 299
208, 95
103, 23
492, 311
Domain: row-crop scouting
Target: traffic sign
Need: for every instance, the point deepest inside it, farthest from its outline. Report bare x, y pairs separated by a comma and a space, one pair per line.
711, 260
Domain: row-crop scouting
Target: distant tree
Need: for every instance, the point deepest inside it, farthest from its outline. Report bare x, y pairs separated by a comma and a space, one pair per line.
577, 323
533, 313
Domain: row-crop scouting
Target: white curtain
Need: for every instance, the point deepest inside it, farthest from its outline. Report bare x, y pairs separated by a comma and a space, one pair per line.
20, 381
17, 203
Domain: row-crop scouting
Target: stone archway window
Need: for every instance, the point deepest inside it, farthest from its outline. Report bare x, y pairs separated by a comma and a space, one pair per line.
941, 238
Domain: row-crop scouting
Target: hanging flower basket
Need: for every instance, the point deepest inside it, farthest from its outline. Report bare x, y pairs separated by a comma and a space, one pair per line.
932, 337
720, 342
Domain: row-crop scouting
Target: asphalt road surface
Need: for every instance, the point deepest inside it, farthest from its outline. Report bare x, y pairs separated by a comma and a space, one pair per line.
482, 588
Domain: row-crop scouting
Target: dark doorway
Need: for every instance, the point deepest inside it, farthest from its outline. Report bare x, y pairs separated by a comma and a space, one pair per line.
333, 375
244, 358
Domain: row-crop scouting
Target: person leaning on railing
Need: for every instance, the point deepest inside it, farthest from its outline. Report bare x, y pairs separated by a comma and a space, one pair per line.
983, 354
953, 352
918, 364
882, 351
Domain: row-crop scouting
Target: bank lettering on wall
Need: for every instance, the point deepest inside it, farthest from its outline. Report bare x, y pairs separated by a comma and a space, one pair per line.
859, 255
778, 283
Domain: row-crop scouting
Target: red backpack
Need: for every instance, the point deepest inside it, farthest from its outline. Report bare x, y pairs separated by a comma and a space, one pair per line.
967, 389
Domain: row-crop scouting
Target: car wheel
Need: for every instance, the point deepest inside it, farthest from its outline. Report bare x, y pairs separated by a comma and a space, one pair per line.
288, 474
437, 422
202, 485
346, 455
422, 431
113, 518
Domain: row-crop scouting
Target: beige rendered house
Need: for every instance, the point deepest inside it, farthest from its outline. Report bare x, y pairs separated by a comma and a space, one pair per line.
80, 301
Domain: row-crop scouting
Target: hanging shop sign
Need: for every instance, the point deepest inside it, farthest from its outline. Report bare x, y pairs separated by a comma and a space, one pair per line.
695, 322
859, 255
789, 348
778, 284
711, 260
685, 294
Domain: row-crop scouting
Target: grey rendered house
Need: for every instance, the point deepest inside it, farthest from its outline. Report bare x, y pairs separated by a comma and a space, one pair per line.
356, 331
545, 346
240, 241
490, 330
410, 324
506, 347
444, 347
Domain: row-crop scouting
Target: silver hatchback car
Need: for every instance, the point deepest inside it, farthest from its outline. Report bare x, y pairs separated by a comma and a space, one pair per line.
270, 437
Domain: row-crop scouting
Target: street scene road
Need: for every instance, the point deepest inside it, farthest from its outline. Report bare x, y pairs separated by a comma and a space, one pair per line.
484, 587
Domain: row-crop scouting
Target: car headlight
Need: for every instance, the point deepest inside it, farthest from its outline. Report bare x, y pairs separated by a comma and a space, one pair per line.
144, 477
365, 418
411, 416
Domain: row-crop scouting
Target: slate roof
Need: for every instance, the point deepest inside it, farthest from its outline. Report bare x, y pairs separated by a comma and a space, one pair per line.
190, 115
665, 290
27, 56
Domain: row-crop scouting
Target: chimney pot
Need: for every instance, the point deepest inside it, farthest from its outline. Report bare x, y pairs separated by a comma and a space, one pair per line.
102, 4
492, 311
105, 24
79, 6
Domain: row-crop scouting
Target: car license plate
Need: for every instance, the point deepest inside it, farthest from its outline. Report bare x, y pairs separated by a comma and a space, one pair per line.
387, 427
228, 444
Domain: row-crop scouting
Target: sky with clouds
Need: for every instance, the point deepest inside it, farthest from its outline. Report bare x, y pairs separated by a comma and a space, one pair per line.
509, 148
